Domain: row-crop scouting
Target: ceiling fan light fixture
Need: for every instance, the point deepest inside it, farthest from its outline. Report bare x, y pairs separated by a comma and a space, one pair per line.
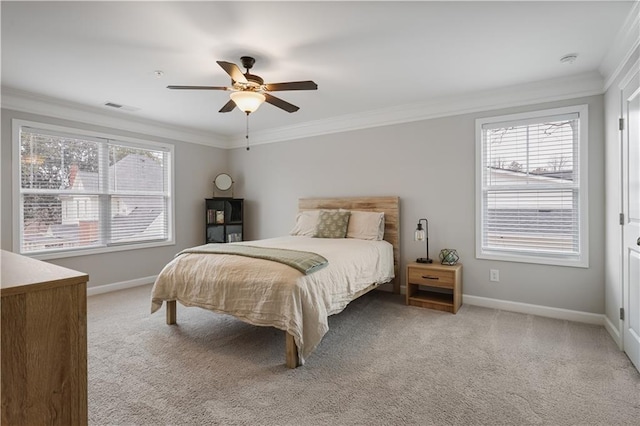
249, 90
248, 101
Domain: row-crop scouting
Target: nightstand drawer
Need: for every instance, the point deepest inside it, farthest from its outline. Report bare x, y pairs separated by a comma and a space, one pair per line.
431, 277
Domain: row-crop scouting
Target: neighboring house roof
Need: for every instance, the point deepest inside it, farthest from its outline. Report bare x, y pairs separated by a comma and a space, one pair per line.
133, 172
501, 175
136, 222
526, 211
136, 172
87, 181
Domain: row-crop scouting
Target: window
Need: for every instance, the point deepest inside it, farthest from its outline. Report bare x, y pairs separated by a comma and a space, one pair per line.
531, 187
85, 192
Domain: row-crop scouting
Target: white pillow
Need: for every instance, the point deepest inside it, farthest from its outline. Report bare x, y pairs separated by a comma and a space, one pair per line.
306, 223
366, 225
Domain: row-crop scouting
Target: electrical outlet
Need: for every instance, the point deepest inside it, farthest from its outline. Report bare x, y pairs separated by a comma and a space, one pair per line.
494, 275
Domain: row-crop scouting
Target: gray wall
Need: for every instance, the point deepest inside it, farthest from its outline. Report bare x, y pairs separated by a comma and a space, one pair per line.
195, 168
613, 190
430, 165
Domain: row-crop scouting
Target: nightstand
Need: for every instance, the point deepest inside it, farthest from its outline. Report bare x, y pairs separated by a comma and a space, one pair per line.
434, 286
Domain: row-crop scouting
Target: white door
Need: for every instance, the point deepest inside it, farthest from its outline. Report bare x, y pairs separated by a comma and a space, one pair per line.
631, 210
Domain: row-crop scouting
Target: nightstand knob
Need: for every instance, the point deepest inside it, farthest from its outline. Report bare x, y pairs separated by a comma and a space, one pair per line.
430, 277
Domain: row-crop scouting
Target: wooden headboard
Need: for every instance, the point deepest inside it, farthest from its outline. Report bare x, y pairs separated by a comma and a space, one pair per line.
390, 206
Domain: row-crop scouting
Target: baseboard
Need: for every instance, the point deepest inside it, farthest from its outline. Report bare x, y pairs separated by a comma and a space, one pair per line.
485, 302
613, 331
526, 308
108, 288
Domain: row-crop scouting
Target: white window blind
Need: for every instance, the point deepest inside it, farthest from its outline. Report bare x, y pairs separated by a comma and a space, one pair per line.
531, 188
80, 192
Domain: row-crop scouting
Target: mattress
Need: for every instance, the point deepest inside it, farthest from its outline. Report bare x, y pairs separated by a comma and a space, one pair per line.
267, 293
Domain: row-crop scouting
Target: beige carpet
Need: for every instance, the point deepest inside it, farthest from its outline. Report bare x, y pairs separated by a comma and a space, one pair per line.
382, 363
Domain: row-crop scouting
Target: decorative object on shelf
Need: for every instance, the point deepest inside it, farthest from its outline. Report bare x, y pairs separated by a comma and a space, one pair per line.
448, 256
219, 216
422, 234
234, 237
223, 182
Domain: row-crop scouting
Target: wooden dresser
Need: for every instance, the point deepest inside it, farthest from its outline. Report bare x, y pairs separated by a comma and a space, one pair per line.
44, 343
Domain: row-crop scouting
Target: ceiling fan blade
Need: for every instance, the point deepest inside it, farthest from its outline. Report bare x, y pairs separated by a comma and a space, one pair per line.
199, 87
280, 103
233, 70
292, 85
228, 107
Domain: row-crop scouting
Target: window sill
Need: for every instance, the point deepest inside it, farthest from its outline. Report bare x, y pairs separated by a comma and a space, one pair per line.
582, 262
97, 250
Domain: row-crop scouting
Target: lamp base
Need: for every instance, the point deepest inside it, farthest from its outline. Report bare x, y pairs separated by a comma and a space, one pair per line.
424, 260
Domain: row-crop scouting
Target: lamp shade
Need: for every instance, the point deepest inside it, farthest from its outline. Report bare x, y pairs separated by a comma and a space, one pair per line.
247, 101
422, 234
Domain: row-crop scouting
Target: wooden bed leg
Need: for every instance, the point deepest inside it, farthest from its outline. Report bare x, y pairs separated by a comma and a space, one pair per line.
291, 351
171, 312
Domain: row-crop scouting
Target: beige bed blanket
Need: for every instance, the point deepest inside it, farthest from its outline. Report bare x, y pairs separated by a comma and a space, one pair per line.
266, 293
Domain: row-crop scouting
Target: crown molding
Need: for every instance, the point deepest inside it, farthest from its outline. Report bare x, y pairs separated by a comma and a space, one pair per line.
23, 101
506, 97
581, 85
624, 45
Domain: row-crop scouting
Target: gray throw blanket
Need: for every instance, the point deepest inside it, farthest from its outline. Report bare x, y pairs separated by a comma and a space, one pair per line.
304, 261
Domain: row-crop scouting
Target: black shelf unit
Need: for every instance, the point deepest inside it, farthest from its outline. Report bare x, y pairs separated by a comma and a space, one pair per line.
224, 219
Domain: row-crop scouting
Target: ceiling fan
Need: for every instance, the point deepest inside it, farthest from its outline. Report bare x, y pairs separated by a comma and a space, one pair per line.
249, 91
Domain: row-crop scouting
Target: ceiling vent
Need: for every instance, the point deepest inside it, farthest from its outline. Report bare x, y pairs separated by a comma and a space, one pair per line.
121, 107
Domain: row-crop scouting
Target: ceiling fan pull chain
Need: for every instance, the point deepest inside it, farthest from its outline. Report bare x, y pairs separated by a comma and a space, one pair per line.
247, 136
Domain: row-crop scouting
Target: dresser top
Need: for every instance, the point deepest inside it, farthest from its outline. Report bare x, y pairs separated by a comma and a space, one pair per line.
21, 274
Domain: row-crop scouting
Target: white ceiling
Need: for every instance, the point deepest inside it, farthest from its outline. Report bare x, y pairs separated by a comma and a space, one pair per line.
364, 56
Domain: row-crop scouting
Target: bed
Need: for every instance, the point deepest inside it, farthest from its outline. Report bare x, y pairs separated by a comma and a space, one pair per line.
267, 293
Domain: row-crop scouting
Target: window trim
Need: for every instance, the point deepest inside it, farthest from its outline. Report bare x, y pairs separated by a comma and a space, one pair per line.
16, 210
582, 259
